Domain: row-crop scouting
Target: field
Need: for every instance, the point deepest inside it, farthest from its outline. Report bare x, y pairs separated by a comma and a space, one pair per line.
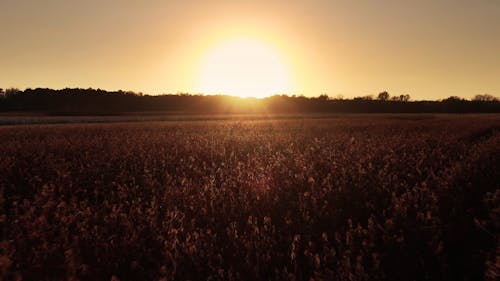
348, 197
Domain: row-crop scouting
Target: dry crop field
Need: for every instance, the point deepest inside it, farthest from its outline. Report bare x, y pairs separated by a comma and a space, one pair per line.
384, 197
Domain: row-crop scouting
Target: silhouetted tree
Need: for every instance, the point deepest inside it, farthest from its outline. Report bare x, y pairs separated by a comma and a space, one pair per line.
485, 97
323, 97
453, 99
401, 98
383, 96
12, 91
404, 98
363, 98
96, 101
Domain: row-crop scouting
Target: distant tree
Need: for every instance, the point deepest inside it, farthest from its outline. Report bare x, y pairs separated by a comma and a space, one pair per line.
453, 99
485, 97
383, 96
401, 98
404, 98
79, 100
12, 92
368, 97
323, 97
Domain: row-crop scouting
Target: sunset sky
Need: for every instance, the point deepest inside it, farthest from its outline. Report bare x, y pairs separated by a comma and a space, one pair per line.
430, 49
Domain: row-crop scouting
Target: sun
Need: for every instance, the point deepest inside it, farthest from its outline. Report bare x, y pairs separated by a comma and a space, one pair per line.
243, 67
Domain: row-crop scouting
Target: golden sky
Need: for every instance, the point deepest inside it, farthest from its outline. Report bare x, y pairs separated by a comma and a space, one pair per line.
430, 49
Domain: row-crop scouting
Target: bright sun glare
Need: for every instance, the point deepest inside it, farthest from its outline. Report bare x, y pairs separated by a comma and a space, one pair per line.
243, 67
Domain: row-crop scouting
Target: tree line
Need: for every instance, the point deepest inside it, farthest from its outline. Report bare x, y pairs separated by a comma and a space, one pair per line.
96, 101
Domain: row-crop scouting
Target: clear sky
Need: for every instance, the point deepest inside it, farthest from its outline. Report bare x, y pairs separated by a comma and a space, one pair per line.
430, 49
